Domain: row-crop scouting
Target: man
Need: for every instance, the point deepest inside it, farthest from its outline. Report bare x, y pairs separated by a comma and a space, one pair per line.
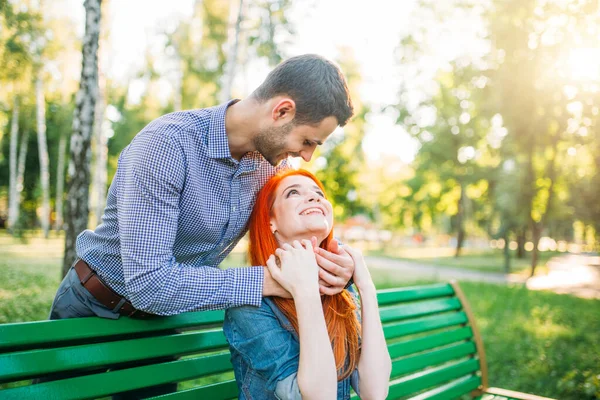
182, 195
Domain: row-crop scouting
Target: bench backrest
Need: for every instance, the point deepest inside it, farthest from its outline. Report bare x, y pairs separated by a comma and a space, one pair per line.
429, 337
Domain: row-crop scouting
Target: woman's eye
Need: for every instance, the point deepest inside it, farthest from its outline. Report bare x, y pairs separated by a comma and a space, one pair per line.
293, 191
321, 194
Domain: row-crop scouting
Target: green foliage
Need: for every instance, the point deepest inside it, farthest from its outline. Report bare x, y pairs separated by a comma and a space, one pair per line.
21, 30
268, 29
199, 45
343, 153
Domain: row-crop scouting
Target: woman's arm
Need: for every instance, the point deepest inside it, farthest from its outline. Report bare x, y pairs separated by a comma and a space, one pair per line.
299, 275
374, 366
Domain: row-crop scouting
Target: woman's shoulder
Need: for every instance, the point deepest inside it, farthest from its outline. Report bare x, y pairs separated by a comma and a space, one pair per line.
251, 317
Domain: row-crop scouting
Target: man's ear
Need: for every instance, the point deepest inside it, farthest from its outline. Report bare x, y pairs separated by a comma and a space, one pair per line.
284, 110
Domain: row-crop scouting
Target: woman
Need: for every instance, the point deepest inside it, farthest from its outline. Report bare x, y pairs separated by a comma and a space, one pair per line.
310, 346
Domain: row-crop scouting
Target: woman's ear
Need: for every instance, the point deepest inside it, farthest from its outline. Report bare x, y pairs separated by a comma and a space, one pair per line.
273, 226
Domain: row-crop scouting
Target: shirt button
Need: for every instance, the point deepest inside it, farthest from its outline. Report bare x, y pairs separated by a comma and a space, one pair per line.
233, 208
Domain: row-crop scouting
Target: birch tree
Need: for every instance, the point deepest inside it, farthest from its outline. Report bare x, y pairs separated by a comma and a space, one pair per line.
21, 167
60, 183
99, 185
13, 206
231, 64
83, 121
43, 154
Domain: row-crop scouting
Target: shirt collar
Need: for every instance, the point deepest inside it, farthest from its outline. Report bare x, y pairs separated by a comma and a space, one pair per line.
218, 146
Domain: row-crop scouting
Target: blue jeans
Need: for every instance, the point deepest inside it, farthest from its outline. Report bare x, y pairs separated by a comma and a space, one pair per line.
72, 300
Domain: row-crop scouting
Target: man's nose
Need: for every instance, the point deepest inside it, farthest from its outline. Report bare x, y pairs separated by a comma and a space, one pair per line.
307, 154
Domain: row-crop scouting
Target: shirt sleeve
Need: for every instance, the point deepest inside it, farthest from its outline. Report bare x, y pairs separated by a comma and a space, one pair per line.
266, 346
154, 173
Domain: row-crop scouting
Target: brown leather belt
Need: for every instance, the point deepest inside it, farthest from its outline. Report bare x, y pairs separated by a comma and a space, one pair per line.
104, 294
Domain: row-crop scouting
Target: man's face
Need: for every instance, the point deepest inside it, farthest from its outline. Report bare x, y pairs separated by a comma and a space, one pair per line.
277, 143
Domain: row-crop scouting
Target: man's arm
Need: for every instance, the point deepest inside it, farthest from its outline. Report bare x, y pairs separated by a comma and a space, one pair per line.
153, 177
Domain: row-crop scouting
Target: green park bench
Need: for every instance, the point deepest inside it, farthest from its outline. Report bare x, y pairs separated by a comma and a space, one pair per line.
435, 347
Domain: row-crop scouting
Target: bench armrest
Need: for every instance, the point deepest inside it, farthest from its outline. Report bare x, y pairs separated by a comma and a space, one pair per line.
514, 395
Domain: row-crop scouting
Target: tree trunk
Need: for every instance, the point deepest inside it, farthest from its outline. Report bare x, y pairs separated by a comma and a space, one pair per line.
83, 122
230, 65
536, 233
506, 251
460, 228
21, 166
13, 199
60, 183
178, 83
43, 154
538, 227
100, 164
521, 237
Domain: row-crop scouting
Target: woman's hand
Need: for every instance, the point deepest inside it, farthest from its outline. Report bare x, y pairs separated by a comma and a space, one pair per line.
362, 276
299, 272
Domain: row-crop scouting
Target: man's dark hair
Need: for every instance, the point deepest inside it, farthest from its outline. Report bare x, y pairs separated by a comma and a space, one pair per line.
316, 85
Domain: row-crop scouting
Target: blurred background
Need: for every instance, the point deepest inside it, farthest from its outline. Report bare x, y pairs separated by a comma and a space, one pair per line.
474, 153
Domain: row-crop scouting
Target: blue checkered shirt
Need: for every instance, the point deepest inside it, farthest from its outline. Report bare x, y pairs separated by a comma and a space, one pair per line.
177, 206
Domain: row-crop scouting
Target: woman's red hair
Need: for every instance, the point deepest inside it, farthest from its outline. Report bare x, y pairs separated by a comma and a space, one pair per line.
339, 310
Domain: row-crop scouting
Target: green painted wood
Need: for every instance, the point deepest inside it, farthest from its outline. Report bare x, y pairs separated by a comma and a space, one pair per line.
413, 384
221, 390
432, 358
30, 334
26, 364
105, 384
452, 390
425, 324
418, 309
431, 341
391, 296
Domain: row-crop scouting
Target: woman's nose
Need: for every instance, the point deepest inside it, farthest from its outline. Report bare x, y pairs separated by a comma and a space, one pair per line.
313, 197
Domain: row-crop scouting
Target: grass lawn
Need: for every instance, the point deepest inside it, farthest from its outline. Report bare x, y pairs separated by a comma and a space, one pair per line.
537, 342
479, 260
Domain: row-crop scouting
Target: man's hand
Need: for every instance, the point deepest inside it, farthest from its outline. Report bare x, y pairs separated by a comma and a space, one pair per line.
272, 288
337, 267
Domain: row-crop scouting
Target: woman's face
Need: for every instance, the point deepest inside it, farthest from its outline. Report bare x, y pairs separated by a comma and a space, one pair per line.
300, 211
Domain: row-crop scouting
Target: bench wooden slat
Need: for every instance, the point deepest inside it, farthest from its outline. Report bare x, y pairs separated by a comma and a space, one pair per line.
31, 334
417, 362
407, 347
413, 384
418, 309
26, 364
105, 384
452, 390
425, 324
401, 295
221, 390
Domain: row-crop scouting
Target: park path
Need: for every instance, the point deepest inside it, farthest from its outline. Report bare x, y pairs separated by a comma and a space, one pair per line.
578, 275
417, 270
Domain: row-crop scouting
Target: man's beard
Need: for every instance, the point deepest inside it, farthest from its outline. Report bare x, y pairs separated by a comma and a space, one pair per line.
272, 141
